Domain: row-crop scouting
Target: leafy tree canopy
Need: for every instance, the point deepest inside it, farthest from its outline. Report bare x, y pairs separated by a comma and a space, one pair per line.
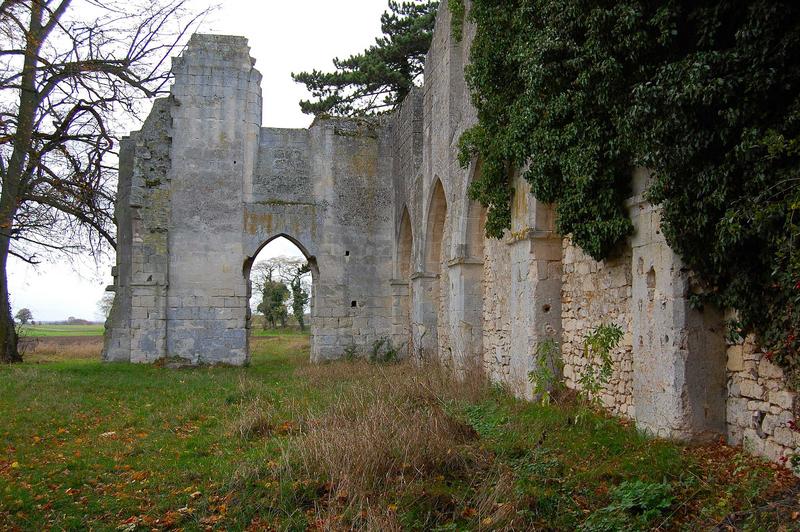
274, 295
380, 77
24, 316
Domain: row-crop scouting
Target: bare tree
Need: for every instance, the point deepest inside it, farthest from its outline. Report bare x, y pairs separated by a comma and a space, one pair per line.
70, 71
105, 304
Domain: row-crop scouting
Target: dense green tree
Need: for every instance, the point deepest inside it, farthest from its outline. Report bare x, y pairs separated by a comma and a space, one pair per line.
274, 295
24, 315
299, 295
380, 77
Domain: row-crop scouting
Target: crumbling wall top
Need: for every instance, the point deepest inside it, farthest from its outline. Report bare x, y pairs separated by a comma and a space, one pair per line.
220, 51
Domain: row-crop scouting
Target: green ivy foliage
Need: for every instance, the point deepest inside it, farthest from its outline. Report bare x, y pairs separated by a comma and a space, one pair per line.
705, 94
458, 12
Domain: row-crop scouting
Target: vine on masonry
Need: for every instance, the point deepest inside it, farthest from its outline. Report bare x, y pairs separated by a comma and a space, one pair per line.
458, 13
705, 94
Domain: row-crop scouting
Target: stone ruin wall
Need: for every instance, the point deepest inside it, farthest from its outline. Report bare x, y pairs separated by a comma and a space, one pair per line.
203, 187
594, 293
398, 252
760, 406
670, 374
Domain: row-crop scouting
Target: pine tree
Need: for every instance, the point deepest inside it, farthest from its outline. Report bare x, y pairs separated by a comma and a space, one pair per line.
379, 78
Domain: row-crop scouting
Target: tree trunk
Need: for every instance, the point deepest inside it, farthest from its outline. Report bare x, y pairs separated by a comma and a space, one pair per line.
12, 181
8, 334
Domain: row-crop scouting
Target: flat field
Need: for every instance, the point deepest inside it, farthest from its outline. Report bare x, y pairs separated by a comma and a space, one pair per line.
38, 331
286, 445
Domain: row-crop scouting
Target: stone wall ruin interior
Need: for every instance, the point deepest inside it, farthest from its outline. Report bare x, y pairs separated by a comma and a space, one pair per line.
380, 209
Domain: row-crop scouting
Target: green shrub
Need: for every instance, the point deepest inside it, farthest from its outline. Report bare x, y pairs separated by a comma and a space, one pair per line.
597, 349
635, 505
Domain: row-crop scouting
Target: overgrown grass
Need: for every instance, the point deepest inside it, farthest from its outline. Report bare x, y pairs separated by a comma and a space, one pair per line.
95, 329
288, 331
286, 445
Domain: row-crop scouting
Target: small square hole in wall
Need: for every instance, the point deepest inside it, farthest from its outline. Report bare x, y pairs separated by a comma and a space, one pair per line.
354, 304
346, 253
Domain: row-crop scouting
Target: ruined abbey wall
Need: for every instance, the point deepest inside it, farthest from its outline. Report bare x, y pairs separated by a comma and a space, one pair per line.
203, 187
673, 372
397, 249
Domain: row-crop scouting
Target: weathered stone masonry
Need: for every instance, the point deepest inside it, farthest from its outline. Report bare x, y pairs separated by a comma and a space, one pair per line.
203, 188
380, 209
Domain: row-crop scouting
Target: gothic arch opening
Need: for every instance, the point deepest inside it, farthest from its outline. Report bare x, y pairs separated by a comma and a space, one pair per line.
434, 239
281, 280
405, 245
435, 294
401, 286
466, 287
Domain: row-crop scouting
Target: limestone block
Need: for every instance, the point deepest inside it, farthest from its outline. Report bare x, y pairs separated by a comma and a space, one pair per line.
752, 442
751, 389
768, 370
783, 399
771, 421
772, 450
734, 436
735, 360
758, 406
784, 436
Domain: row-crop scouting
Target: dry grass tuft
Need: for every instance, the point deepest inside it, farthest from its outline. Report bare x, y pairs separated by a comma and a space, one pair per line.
390, 429
61, 348
254, 420
257, 415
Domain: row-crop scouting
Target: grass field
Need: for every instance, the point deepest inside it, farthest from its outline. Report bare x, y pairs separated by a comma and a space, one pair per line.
286, 445
257, 332
38, 331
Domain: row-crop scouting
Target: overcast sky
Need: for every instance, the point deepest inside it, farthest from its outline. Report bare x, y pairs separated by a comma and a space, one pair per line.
284, 37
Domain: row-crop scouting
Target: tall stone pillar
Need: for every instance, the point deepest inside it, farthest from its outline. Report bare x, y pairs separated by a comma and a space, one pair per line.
216, 124
465, 311
138, 328
401, 316
424, 309
678, 352
535, 285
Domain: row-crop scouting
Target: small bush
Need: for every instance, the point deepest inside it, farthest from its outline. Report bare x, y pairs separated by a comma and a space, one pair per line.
546, 377
597, 350
635, 504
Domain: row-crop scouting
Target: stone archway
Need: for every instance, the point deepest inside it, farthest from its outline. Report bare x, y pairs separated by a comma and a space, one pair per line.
314, 273
202, 187
429, 286
401, 300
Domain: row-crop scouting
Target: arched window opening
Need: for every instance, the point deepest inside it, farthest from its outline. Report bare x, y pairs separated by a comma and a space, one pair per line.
281, 283
405, 245
437, 214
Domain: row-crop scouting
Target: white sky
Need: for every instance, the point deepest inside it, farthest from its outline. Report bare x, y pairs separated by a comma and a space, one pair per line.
284, 37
